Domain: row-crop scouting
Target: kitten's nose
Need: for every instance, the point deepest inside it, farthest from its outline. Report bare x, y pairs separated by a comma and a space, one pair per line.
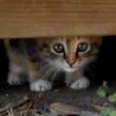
71, 60
70, 63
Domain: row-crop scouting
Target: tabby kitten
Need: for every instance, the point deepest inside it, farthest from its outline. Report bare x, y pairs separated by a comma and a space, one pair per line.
38, 61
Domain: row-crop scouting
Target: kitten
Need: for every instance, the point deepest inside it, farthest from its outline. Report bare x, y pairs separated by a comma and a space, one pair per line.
38, 61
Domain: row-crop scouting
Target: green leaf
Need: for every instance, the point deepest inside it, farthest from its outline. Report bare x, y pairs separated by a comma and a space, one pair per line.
112, 98
105, 112
101, 92
113, 113
108, 112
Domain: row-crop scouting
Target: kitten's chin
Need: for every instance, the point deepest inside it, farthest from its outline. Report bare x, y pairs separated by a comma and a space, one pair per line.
70, 69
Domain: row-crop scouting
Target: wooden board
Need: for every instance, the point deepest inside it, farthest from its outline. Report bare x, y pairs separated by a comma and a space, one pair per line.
32, 18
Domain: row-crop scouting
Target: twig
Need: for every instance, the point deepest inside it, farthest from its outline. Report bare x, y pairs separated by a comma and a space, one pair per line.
14, 104
10, 112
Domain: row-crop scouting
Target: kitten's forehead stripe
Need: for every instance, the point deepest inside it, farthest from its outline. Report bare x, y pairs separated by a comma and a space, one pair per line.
72, 48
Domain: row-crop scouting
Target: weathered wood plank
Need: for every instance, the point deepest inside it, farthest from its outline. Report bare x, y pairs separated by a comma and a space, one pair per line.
31, 18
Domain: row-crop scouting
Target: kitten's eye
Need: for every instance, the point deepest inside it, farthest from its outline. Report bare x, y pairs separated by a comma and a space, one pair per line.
83, 47
58, 48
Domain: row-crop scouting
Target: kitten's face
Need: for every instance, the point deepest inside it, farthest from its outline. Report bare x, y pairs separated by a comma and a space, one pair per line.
71, 54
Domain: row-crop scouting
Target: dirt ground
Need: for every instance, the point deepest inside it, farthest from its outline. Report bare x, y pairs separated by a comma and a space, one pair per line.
20, 101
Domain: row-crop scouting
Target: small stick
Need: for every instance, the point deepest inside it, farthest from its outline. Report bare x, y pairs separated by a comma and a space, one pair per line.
14, 104
99, 108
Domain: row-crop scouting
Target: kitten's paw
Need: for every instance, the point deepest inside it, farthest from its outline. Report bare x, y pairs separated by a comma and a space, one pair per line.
40, 86
14, 79
81, 83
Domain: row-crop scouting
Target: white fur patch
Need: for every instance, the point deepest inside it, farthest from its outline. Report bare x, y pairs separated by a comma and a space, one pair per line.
70, 69
65, 66
81, 83
40, 86
14, 75
14, 79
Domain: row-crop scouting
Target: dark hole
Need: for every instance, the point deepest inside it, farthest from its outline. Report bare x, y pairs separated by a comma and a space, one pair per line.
59, 80
104, 66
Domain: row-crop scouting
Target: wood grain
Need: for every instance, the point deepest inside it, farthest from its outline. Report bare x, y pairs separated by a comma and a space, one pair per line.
32, 18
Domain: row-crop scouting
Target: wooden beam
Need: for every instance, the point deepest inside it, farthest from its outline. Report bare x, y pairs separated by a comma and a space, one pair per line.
32, 18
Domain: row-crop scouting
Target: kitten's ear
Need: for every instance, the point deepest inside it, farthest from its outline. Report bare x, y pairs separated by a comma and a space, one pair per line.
99, 40
43, 43
96, 41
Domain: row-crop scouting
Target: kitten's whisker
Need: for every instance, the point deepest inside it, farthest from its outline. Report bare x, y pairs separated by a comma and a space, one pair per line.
43, 68
93, 65
91, 72
46, 74
55, 73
